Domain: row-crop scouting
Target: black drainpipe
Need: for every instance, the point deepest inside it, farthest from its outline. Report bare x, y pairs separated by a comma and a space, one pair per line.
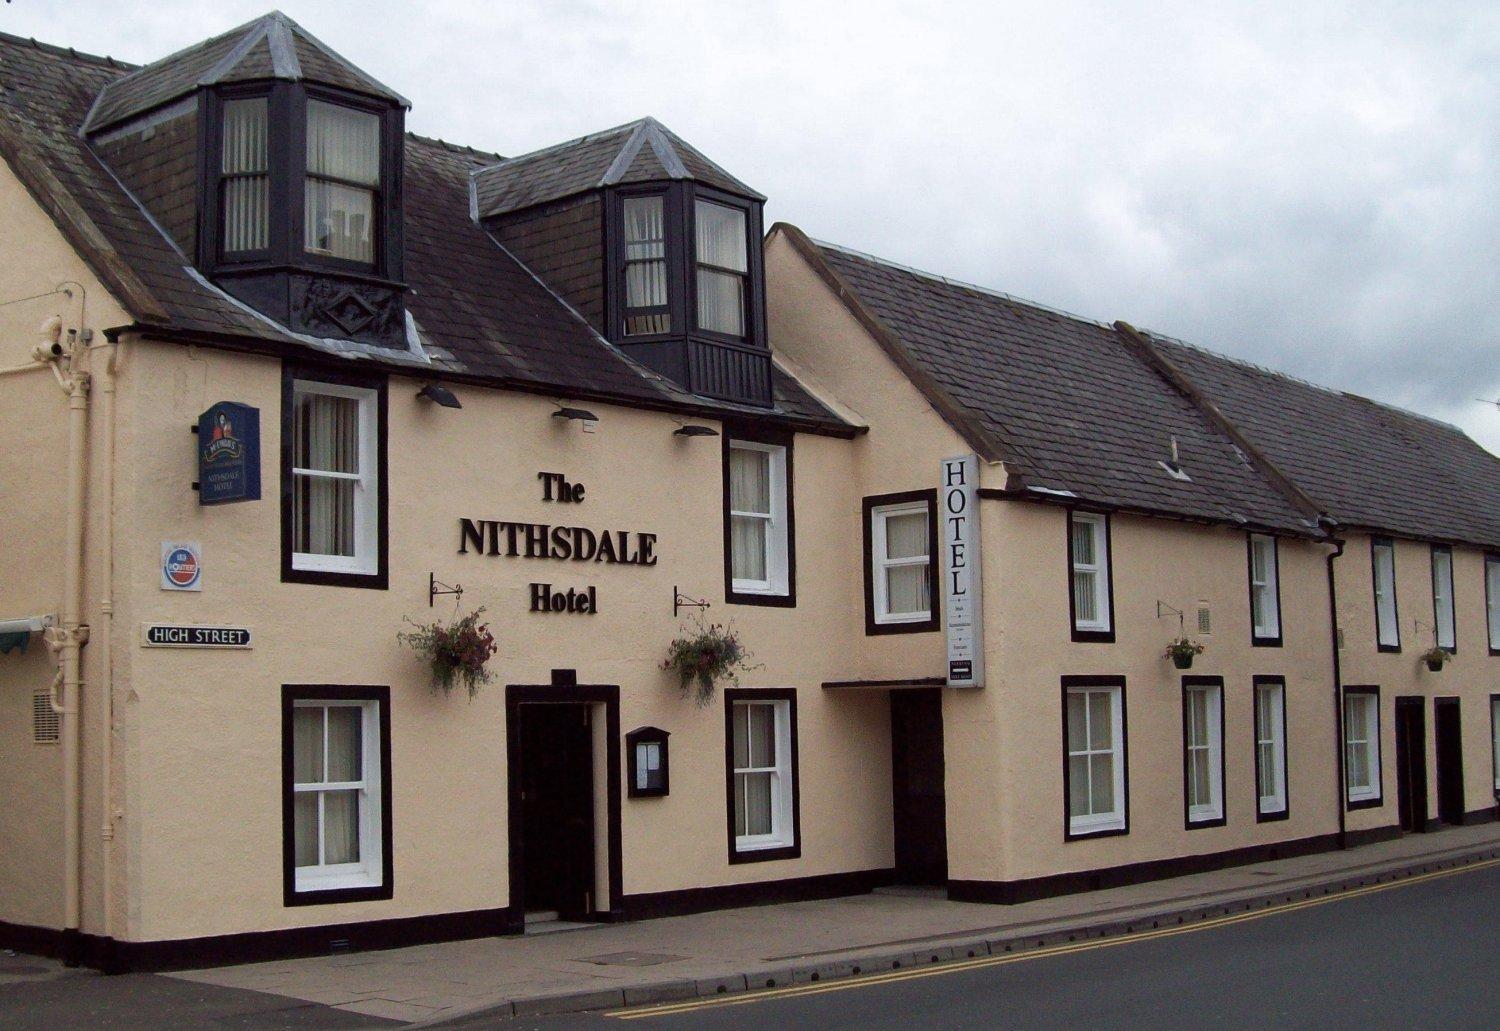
1338, 684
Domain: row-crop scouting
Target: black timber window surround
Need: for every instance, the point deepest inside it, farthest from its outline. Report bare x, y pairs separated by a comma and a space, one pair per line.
1383, 581
1492, 600
334, 478
1362, 773
1096, 771
1203, 752
762, 794
1091, 593
1264, 557
1272, 797
685, 292
302, 175
336, 794
1446, 632
760, 550
901, 562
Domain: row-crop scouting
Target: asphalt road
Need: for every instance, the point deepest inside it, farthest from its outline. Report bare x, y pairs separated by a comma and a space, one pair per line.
1416, 954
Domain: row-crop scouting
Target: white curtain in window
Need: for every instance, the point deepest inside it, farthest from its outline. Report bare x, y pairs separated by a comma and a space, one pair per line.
646, 252
343, 168
246, 196
907, 589
1085, 593
750, 512
722, 266
755, 754
1357, 741
325, 441
1200, 793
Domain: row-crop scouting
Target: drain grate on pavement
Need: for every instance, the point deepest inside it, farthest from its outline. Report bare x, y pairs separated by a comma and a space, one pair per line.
631, 959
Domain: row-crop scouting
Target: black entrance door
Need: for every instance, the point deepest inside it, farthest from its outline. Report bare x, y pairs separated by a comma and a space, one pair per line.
1448, 742
555, 773
1411, 763
917, 786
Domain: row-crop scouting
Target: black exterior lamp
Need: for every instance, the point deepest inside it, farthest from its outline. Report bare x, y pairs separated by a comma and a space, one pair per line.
646, 753
575, 413
438, 395
695, 431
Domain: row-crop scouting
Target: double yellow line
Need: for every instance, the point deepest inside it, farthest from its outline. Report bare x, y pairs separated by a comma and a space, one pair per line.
954, 967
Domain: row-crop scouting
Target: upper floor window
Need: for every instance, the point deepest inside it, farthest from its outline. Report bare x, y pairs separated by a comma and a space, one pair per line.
334, 482
1492, 600
723, 268
1089, 565
1442, 596
1383, 571
758, 519
244, 177
645, 233
343, 180
901, 562
1265, 591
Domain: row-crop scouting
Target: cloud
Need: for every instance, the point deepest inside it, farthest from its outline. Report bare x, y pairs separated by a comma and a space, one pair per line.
1313, 187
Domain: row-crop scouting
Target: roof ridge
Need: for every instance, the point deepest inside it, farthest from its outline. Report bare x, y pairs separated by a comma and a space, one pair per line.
960, 284
458, 148
69, 52
588, 138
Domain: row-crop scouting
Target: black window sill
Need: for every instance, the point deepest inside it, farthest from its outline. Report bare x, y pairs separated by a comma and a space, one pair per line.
325, 578
1198, 825
917, 626
763, 855
1093, 636
1281, 814
784, 601
1113, 832
330, 896
1365, 803
1265, 642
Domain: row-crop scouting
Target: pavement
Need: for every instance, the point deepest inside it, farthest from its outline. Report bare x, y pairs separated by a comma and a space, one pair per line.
605, 966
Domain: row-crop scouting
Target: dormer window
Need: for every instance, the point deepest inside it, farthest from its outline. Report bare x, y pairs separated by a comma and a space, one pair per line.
244, 178
644, 222
723, 268
343, 182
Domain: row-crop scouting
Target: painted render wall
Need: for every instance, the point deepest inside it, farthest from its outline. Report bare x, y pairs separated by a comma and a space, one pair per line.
1472, 675
208, 807
32, 499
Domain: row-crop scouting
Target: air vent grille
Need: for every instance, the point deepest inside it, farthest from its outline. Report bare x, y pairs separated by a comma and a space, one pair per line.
45, 727
1205, 620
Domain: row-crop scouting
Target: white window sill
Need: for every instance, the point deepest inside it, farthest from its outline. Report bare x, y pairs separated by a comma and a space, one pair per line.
1081, 825
1273, 807
1204, 815
758, 587
307, 563
1091, 628
1363, 796
311, 881
760, 843
903, 617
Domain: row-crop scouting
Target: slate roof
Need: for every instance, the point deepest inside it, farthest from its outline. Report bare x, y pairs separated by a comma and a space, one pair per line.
270, 47
642, 151
1062, 401
1364, 463
479, 312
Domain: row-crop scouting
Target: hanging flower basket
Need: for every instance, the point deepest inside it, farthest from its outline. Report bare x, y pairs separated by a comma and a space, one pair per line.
703, 658
1182, 650
1435, 658
456, 652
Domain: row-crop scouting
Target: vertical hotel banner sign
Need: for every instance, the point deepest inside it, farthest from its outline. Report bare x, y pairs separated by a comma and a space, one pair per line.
963, 587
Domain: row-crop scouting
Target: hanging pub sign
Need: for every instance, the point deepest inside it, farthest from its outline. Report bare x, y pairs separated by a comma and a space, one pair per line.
963, 587
228, 454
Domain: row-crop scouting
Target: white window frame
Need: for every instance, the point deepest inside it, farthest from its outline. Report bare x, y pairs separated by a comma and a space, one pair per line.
1266, 625
1369, 734
1274, 804
1492, 600
1114, 819
880, 561
1495, 739
777, 575
366, 557
1387, 610
369, 872
783, 822
1099, 569
1211, 811
1442, 598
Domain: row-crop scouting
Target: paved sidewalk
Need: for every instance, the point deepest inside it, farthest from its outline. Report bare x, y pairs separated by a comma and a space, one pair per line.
732, 950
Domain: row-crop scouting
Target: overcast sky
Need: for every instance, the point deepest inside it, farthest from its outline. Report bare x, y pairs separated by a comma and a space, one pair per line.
1317, 190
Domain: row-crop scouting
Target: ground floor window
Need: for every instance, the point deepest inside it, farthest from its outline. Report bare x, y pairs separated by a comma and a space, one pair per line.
1362, 746
761, 754
1270, 748
336, 786
1094, 774
1495, 736
1203, 749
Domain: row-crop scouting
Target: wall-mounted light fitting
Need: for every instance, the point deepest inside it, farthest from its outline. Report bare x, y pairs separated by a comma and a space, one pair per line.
695, 431
575, 413
438, 395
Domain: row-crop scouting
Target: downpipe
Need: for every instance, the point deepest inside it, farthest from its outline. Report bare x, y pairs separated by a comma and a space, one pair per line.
1338, 692
105, 643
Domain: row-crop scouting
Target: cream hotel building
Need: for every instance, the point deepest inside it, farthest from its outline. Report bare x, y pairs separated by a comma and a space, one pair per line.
278, 378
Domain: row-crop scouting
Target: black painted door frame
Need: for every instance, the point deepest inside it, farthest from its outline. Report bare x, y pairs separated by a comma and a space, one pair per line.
564, 689
1448, 750
918, 801
1411, 762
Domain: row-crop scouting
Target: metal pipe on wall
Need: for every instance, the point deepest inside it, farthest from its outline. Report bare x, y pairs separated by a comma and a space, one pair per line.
106, 635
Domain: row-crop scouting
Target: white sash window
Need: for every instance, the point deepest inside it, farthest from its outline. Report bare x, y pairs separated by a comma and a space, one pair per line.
1089, 546
343, 177
335, 488
1203, 728
1442, 597
757, 518
900, 552
336, 796
1362, 745
1270, 748
1387, 625
1094, 720
1265, 601
762, 774
723, 268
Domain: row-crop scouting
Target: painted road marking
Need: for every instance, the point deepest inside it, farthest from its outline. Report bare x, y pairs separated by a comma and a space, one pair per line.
956, 966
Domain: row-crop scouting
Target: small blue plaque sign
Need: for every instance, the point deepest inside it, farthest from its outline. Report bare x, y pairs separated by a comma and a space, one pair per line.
228, 454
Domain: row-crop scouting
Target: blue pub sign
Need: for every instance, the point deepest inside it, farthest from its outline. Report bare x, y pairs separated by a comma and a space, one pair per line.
228, 454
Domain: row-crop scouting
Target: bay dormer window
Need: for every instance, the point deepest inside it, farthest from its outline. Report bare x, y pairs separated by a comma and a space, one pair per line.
644, 227
723, 262
302, 219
